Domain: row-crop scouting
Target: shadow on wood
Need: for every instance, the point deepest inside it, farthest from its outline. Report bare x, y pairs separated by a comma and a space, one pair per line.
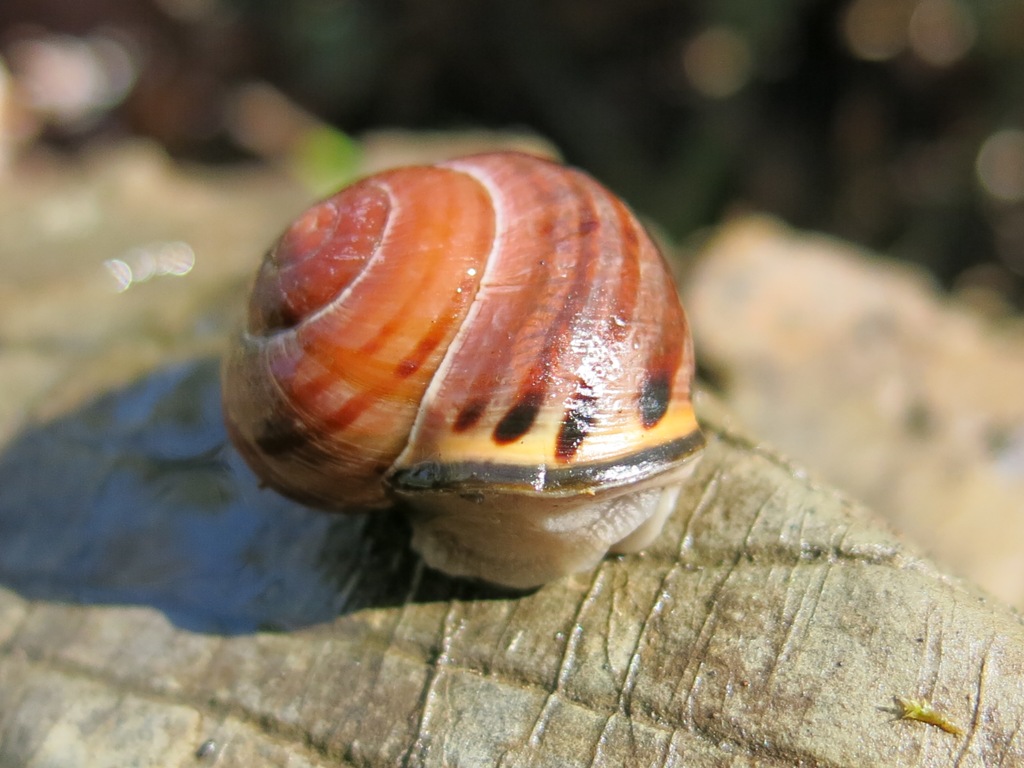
138, 498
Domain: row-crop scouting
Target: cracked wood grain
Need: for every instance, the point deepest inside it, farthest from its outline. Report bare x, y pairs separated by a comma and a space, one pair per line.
779, 653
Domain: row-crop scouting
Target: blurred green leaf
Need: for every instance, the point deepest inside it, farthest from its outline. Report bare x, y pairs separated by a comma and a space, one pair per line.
326, 159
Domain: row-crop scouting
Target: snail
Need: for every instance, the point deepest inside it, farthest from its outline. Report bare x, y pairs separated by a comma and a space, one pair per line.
495, 343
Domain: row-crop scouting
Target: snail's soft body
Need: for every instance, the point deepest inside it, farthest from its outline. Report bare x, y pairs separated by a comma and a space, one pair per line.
494, 341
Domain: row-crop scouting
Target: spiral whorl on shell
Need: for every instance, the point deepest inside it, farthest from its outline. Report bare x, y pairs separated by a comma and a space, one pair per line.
494, 340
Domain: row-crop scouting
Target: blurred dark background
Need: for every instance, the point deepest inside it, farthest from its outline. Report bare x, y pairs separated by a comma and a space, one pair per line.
898, 124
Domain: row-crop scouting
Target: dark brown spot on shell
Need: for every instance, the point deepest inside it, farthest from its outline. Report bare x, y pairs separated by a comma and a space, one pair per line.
655, 394
407, 367
279, 435
519, 418
469, 415
580, 415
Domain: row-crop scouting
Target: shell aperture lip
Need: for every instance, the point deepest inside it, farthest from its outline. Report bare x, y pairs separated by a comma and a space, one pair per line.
470, 476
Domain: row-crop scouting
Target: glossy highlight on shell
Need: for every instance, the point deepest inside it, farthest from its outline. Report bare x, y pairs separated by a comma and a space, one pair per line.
493, 341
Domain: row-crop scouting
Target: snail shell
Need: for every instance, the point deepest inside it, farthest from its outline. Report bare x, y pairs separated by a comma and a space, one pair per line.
494, 341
